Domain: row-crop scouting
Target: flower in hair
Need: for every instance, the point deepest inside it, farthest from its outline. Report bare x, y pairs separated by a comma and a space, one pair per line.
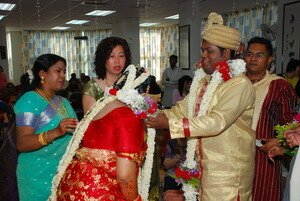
30, 73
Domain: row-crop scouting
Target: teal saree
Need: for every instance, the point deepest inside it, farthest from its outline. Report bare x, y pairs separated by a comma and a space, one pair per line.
36, 169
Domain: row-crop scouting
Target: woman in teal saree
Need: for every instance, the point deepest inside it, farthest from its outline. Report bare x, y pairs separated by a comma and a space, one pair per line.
44, 122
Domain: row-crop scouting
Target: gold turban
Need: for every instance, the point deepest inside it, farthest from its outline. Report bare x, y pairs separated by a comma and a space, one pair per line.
220, 35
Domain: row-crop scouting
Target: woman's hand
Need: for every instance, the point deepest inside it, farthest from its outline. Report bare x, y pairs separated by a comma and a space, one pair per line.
66, 125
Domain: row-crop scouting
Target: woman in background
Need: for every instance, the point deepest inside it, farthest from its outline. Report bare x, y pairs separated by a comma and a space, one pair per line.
111, 58
184, 84
44, 122
3, 79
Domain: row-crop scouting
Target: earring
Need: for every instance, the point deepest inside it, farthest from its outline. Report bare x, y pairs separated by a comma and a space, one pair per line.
42, 80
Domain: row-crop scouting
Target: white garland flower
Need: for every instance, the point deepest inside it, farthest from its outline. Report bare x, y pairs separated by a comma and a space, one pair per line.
82, 126
131, 97
146, 171
236, 67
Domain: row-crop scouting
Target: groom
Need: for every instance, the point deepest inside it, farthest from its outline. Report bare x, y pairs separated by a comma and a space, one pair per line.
220, 116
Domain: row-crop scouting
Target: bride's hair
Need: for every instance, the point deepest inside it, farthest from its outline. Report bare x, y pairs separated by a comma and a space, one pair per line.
148, 86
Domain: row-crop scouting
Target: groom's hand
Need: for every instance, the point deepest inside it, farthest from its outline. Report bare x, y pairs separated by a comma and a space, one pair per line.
159, 122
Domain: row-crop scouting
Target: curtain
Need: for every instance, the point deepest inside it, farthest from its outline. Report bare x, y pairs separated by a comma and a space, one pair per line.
156, 45
78, 53
169, 45
249, 20
150, 50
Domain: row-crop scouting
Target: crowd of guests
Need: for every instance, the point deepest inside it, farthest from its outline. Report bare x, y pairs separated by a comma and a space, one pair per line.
239, 155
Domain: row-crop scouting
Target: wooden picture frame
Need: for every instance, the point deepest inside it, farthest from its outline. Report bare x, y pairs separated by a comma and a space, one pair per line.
184, 47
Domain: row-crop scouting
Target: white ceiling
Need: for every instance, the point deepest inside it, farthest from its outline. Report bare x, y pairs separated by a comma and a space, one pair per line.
45, 14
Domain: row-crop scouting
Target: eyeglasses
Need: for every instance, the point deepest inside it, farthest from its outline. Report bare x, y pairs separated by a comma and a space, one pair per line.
256, 56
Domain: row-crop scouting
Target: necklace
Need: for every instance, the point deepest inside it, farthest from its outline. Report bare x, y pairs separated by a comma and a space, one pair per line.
59, 108
106, 83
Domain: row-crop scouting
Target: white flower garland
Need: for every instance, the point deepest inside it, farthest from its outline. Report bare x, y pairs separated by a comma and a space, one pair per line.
146, 171
82, 126
236, 67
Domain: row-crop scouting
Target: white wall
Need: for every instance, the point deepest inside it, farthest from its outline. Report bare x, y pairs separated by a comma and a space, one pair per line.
129, 29
189, 15
17, 63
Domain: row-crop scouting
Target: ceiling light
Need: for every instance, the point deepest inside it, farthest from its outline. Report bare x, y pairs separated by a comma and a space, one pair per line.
60, 28
172, 17
148, 24
101, 12
2, 16
77, 22
7, 6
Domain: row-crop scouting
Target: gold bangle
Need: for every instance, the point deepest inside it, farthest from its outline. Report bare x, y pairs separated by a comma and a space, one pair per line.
46, 138
42, 140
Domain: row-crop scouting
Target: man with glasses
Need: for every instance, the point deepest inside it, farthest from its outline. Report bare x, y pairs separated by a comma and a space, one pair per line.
274, 104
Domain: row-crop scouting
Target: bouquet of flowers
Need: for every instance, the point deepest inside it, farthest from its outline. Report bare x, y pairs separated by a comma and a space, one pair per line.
142, 106
280, 130
188, 176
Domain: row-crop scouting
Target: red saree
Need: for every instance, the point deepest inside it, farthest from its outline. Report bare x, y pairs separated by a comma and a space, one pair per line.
92, 173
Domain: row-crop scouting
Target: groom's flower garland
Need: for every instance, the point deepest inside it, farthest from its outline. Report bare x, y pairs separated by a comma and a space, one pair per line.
224, 71
82, 126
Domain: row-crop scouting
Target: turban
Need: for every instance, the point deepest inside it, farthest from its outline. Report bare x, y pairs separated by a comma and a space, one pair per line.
220, 35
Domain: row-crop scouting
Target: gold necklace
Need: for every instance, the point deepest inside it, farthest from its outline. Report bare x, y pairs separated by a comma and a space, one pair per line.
60, 109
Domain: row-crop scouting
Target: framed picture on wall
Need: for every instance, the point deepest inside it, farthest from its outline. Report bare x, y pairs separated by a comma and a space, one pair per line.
291, 31
184, 47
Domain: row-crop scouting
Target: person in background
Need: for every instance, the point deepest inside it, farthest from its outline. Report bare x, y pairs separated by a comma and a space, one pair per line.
44, 122
3, 79
292, 72
73, 87
184, 84
111, 58
170, 79
174, 155
24, 84
275, 101
85, 80
82, 76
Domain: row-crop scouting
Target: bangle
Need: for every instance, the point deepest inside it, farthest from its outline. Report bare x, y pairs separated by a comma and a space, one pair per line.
46, 138
42, 139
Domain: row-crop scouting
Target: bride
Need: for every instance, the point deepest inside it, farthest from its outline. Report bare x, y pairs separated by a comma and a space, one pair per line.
103, 158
